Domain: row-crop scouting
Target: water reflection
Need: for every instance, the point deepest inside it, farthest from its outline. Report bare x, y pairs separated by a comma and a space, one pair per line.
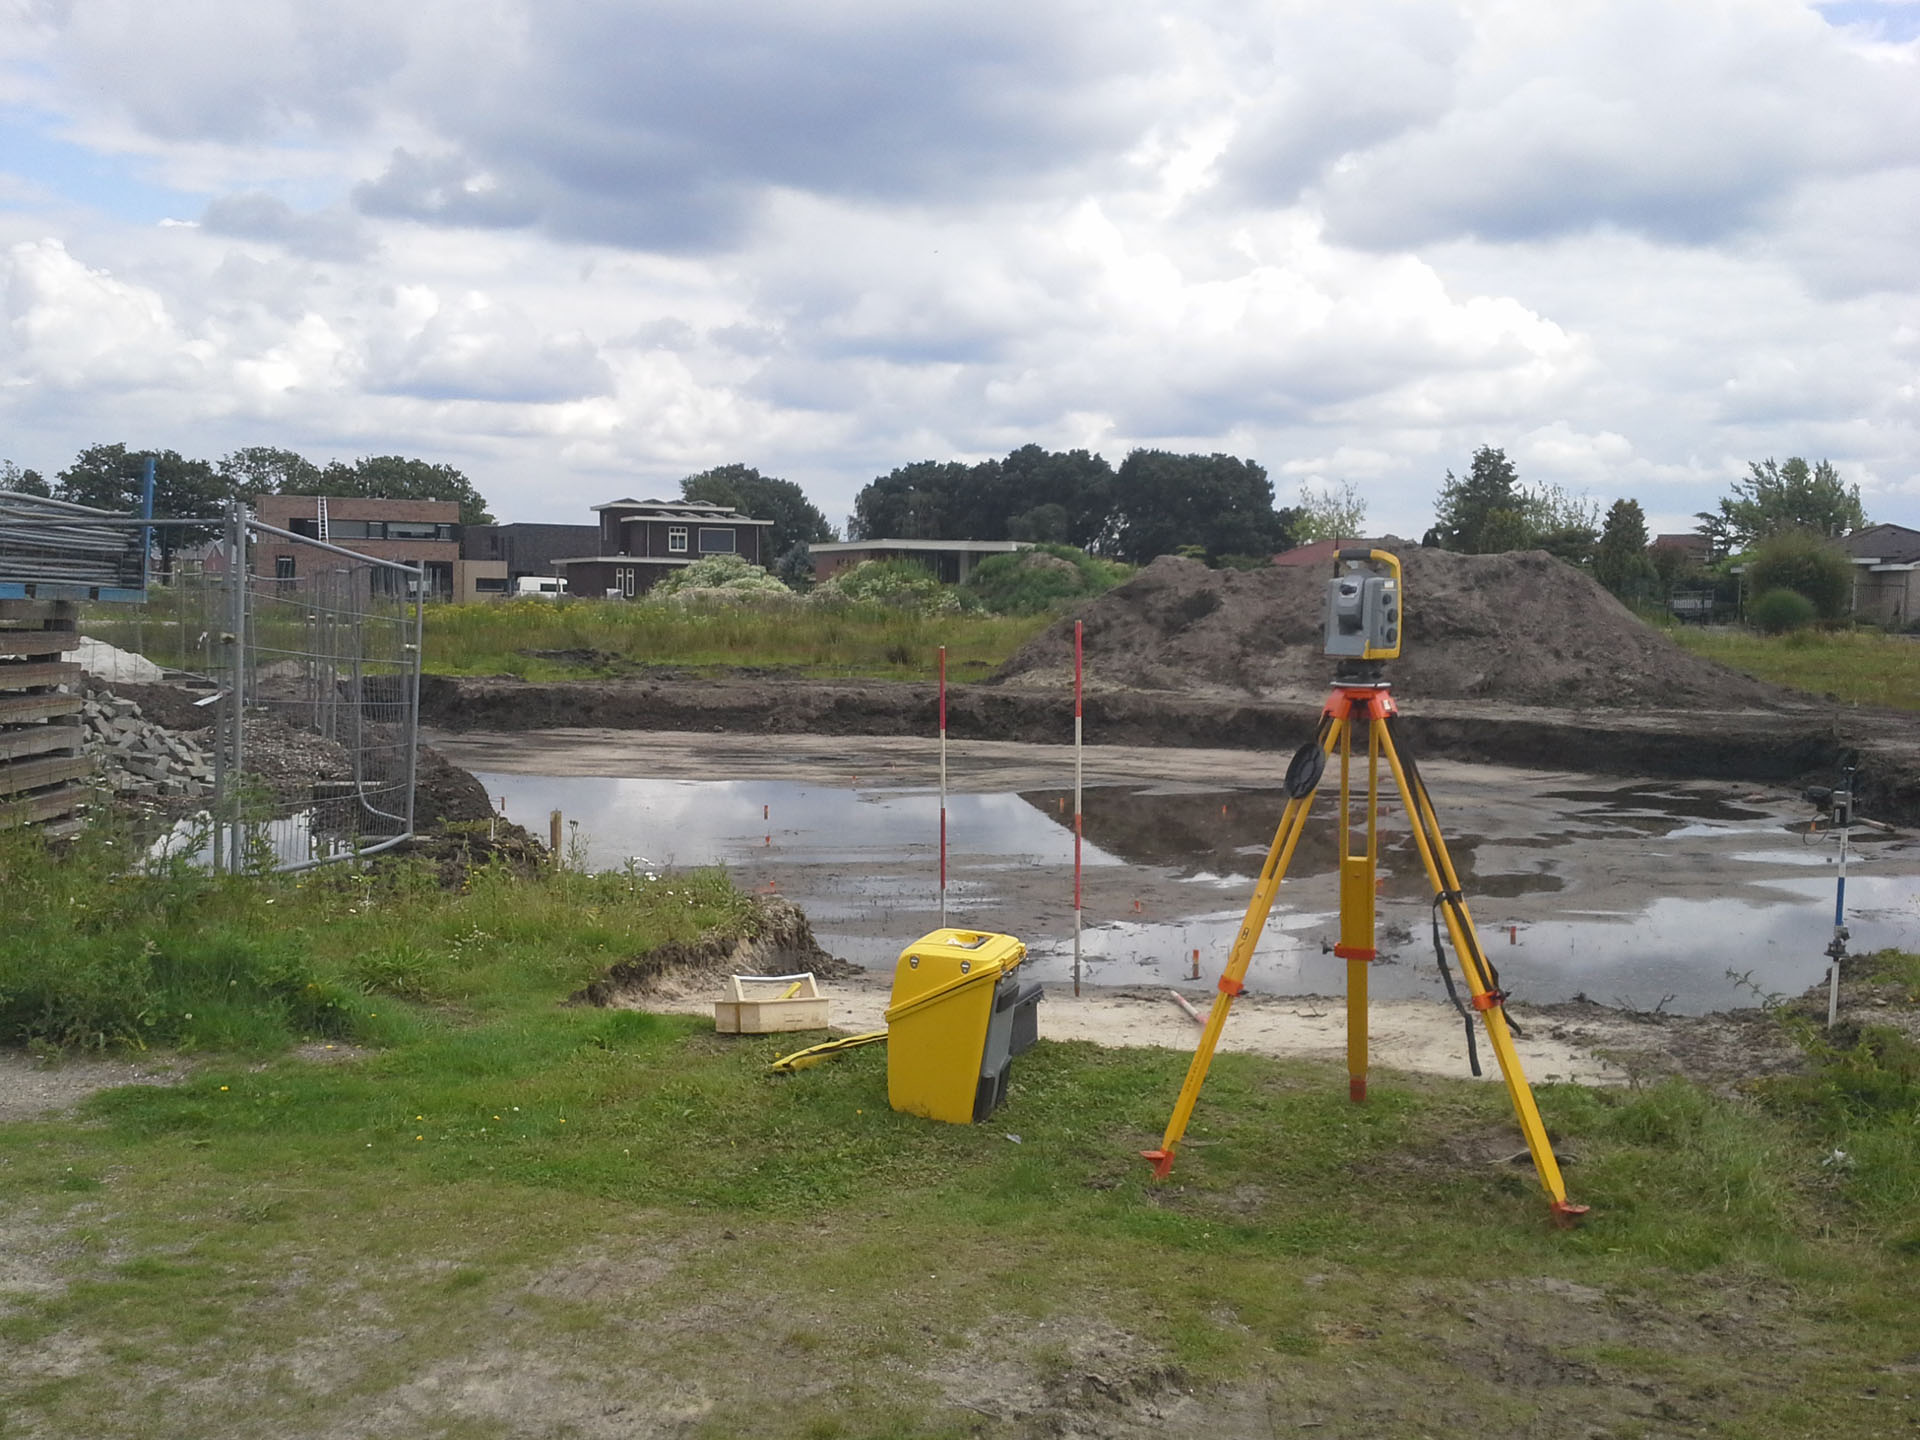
1211, 832
863, 863
727, 822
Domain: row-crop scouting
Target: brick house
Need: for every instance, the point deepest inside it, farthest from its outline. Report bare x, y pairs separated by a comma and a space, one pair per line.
414, 532
641, 541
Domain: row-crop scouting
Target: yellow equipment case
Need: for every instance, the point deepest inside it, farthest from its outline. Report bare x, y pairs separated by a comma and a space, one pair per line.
959, 1016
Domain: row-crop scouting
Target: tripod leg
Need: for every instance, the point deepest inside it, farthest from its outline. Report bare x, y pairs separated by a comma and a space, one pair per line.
1487, 999
1357, 908
1232, 980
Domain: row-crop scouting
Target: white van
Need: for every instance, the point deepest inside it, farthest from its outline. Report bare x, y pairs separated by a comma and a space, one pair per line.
540, 587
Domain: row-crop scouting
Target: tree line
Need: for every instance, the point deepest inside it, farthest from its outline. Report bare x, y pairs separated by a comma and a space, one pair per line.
1155, 503
110, 477
1784, 516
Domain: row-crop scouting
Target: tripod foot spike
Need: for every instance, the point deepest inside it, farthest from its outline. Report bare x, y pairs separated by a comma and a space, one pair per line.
1161, 1160
1566, 1214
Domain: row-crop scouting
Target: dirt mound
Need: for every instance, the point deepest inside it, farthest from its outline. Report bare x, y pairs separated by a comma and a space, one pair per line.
777, 940
445, 794
1522, 628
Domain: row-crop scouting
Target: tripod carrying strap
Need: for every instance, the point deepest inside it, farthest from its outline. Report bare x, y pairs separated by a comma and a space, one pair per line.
1453, 994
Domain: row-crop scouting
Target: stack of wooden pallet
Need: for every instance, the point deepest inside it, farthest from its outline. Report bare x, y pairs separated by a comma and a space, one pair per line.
41, 764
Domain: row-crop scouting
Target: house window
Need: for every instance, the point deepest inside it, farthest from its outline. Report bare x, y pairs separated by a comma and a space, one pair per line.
715, 542
677, 539
490, 584
417, 530
626, 583
283, 567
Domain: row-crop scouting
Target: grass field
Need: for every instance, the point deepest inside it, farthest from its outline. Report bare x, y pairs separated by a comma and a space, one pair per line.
1861, 667
602, 637
483, 1213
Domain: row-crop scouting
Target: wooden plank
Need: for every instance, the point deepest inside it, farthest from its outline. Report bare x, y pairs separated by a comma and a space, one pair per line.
18, 775
31, 809
52, 739
43, 641
20, 677
16, 612
17, 709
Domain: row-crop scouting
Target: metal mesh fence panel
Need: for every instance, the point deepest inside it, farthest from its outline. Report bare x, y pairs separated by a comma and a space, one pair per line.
316, 761
310, 683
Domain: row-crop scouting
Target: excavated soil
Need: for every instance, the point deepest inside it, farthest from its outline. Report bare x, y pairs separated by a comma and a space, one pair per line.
1519, 628
775, 940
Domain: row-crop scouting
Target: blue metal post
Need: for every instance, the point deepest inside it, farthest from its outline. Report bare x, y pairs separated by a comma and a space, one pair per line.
146, 513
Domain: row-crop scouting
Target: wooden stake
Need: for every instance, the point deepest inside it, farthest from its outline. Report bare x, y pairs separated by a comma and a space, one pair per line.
943, 787
1078, 775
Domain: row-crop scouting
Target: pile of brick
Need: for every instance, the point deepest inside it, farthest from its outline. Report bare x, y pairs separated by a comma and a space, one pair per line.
138, 757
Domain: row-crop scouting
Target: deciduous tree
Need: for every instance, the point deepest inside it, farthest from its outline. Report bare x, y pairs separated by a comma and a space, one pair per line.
912, 502
1776, 498
1335, 513
1053, 495
23, 482
109, 477
256, 470
399, 477
1219, 503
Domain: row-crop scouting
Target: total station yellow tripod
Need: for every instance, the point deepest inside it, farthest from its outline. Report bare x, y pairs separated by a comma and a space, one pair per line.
1363, 628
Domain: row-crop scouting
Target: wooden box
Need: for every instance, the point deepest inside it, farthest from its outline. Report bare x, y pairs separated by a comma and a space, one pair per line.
768, 1004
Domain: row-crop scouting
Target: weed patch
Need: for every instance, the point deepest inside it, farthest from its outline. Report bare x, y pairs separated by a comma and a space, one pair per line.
1860, 667
576, 638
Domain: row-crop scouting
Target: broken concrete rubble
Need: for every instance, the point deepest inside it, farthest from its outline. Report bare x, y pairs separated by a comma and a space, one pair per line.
138, 757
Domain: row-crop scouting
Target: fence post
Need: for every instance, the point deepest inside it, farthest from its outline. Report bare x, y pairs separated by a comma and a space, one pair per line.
413, 700
237, 675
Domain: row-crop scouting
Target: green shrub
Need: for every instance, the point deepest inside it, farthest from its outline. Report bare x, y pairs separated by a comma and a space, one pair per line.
899, 583
729, 573
1778, 611
1809, 564
1032, 581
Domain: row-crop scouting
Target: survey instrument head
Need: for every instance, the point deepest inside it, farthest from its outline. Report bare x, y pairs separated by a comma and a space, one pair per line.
1363, 606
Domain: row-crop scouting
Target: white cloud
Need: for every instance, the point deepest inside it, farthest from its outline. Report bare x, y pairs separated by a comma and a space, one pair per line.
598, 246
72, 327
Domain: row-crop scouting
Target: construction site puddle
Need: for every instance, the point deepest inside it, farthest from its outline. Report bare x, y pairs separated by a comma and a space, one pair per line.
1684, 896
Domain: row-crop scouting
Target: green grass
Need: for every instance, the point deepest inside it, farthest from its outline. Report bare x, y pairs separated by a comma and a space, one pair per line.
504, 1215
865, 640
1860, 667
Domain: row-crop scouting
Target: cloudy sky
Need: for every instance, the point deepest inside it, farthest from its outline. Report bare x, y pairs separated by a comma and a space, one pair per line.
581, 248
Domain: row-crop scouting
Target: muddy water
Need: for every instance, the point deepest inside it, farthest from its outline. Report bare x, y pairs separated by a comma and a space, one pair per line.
1691, 897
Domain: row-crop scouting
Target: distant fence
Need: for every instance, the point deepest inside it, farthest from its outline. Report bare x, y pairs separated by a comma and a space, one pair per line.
311, 687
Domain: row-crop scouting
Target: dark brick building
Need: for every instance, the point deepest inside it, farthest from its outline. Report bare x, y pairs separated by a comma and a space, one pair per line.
640, 541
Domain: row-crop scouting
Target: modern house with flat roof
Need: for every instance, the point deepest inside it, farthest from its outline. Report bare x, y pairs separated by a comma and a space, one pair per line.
642, 541
951, 561
414, 532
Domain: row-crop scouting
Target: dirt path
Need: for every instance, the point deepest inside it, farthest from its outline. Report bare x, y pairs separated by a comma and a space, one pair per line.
1404, 1034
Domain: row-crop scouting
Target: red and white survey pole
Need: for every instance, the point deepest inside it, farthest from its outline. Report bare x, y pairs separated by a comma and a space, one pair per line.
943, 787
1077, 774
